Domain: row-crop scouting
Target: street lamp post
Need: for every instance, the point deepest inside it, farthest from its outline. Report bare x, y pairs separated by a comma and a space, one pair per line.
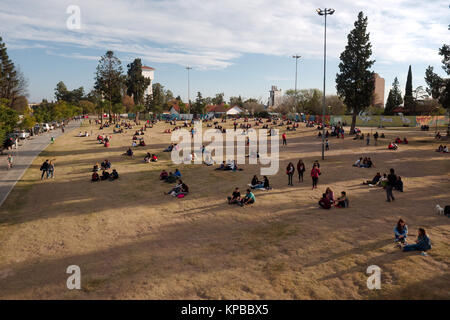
324, 13
189, 90
296, 57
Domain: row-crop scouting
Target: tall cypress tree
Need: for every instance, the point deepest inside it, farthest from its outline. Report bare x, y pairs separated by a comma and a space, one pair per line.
12, 82
394, 99
355, 83
409, 100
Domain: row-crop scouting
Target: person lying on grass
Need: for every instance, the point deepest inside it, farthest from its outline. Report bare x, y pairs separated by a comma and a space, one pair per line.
248, 199
235, 197
423, 243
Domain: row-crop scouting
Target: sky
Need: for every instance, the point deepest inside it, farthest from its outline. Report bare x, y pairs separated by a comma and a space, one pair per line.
234, 46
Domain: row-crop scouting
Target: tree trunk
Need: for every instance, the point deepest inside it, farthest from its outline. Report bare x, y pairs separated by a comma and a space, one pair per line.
137, 117
352, 127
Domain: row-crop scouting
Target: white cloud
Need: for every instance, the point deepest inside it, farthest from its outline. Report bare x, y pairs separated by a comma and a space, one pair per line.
212, 34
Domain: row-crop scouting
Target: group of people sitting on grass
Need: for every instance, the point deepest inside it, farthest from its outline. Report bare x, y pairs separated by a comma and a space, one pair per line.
364, 163
257, 184
169, 176
383, 181
85, 134
423, 242
229, 165
442, 148
424, 127
150, 158
328, 200
398, 140
236, 198
141, 143
171, 147
106, 175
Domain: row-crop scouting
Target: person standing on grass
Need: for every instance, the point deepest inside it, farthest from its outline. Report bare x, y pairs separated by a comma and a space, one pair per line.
368, 140
392, 180
315, 172
290, 173
50, 170
284, 139
44, 168
300, 169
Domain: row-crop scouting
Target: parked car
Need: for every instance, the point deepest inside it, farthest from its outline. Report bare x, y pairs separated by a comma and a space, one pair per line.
45, 127
22, 134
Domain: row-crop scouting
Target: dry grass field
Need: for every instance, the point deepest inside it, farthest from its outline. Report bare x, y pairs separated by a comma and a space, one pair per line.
132, 241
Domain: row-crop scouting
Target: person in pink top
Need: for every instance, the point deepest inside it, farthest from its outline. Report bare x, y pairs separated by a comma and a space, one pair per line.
315, 172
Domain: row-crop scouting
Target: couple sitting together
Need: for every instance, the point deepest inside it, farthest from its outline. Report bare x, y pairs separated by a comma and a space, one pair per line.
236, 198
328, 200
150, 158
256, 184
180, 190
442, 149
170, 177
229, 165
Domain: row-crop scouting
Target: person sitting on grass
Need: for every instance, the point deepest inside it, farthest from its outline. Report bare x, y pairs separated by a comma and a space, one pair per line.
235, 197
95, 168
401, 232
358, 162
383, 181
342, 201
330, 194
445, 149
256, 183
163, 175
129, 152
169, 148
177, 173
95, 177
393, 146
399, 184
375, 179
171, 178
133, 144
440, 148
248, 199
142, 143
423, 243
114, 175
324, 202
405, 141
147, 157
105, 175
176, 189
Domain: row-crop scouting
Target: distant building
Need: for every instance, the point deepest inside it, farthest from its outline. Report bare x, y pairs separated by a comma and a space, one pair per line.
275, 97
378, 92
235, 110
148, 72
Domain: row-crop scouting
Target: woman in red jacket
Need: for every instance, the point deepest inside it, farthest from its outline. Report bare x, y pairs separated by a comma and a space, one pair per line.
315, 172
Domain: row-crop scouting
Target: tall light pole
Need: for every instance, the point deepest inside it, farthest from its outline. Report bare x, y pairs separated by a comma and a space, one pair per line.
296, 57
324, 13
189, 90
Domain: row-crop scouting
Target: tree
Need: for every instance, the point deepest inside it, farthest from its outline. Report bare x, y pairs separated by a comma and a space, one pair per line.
218, 99
109, 79
394, 99
156, 101
63, 94
8, 121
355, 83
21, 105
136, 85
334, 105
438, 87
409, 99
12, 82
87, 106
236, 101
199, 105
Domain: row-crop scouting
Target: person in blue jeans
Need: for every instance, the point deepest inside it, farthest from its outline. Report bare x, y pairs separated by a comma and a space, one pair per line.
422, 244
401, 232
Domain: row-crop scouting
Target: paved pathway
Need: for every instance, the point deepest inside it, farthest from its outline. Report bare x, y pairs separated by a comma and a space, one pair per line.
24, 156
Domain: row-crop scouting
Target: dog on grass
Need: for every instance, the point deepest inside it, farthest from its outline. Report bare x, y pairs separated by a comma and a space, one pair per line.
439, 210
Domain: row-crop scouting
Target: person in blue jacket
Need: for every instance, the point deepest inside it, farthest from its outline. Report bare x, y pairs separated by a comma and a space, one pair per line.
423, 243
401, 232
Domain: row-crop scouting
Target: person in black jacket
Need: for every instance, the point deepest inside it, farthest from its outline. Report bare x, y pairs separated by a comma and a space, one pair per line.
44, 169
392, 180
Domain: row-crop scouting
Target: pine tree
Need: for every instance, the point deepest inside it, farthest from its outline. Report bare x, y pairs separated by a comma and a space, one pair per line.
394, 99
409, 99
390, 105
355, 83
136, 85
109, 80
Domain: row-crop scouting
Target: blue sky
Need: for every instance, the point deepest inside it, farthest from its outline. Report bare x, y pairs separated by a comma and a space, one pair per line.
235, 47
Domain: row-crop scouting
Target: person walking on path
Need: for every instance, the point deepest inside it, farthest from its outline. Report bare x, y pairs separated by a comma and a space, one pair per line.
9, 160
284, 139
392, 180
